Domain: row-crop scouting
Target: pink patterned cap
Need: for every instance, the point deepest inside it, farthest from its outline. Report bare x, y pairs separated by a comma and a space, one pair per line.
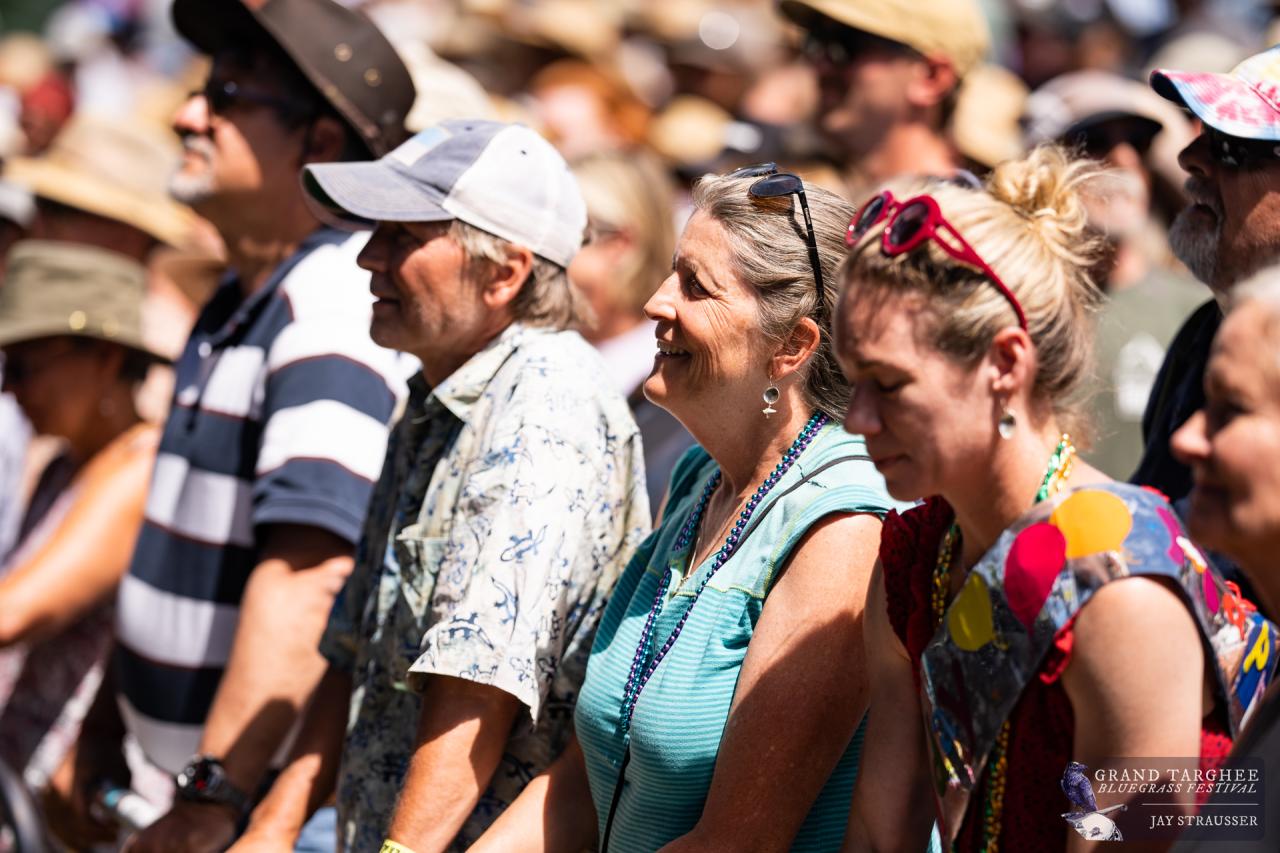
1244, 103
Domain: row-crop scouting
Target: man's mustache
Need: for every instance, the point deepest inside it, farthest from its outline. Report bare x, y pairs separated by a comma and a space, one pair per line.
1201, 191
195, 144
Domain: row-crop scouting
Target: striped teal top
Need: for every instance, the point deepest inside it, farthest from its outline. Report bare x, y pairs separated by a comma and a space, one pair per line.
679, 718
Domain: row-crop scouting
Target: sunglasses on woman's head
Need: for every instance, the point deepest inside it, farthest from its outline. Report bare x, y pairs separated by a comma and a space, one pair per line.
909, 223
775, 184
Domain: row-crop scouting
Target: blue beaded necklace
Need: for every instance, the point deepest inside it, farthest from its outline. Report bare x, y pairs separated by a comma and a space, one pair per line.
645, 663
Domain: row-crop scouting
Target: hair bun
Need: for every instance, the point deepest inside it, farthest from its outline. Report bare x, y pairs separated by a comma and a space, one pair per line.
1047, 188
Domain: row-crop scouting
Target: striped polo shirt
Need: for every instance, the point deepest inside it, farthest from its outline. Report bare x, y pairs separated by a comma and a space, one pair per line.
279, 417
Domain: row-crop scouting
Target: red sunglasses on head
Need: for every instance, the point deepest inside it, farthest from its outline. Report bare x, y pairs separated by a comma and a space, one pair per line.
910, 223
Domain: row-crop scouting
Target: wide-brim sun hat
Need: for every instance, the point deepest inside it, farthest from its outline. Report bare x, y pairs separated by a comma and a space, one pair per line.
113, 169
956, 29
55, 289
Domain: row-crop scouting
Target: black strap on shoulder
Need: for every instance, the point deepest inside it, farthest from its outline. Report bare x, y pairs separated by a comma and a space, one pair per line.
626, 756
756, 522
617, 796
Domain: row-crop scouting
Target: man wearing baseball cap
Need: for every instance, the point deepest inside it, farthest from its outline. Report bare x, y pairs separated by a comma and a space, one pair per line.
889, 72
279, 419
1230, 230
512, 494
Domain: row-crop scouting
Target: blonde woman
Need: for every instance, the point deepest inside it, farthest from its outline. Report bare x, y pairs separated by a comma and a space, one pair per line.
1031, 613
630, 238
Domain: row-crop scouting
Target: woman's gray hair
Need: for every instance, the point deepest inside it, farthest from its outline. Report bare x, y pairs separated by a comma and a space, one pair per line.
771, 254
547, 297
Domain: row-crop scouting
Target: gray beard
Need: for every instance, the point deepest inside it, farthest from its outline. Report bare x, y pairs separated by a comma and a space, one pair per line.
1196, 248
194, 189
191, 189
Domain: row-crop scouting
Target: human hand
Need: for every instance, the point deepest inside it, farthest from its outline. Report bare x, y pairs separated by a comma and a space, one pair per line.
187, 828
58, 802
75, 785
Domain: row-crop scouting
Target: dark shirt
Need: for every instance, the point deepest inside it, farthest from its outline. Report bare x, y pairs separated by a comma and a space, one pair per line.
1177, 394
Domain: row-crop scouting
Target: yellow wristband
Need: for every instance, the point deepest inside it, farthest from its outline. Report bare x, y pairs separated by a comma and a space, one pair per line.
390, 846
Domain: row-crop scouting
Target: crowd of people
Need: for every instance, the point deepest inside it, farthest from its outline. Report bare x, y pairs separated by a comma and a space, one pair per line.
574, 425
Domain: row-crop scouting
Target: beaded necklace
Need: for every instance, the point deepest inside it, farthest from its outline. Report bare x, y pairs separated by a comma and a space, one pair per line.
645, 662
1059, 469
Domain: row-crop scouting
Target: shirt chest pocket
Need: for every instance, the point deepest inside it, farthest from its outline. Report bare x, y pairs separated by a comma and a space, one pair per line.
419, 558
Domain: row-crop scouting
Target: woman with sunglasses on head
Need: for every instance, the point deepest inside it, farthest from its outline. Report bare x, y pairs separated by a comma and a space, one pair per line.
725, 684
999, 647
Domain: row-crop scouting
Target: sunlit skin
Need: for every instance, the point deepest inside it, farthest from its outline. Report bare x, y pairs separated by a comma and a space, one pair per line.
1230, 445
239, 156
863, 98
929, 423
1243, 203
426, 304
712, 361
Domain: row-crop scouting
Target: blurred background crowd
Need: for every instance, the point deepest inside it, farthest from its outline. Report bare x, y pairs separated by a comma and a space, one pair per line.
643, 97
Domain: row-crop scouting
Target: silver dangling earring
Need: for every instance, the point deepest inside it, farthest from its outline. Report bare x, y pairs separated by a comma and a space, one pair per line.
770, 396
1007, 424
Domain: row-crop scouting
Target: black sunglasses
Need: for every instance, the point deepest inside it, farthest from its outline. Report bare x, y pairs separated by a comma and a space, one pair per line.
227, 93
775, 184
1099, 139
1244, 154
839, 45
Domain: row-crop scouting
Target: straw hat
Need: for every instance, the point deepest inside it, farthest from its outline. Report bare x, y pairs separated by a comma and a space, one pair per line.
112, 169
54, 288
984, 125
956, 29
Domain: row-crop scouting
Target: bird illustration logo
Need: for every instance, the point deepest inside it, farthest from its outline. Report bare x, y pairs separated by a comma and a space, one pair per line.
1075, 784
1084, 816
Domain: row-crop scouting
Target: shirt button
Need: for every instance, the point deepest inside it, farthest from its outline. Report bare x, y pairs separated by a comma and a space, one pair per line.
204, 349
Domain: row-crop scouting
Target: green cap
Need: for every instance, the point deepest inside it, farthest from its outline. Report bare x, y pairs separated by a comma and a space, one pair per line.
52, 289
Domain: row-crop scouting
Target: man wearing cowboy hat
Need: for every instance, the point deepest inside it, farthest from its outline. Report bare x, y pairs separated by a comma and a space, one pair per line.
889, 72
279, 419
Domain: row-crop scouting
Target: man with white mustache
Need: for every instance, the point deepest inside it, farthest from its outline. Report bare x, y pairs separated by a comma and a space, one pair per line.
278, 424
1230, 230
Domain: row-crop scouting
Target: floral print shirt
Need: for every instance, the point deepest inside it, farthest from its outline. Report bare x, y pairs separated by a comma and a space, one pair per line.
511, 497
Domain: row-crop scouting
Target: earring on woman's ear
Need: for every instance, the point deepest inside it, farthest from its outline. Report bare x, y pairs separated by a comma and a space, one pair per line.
1007, 424
770, 396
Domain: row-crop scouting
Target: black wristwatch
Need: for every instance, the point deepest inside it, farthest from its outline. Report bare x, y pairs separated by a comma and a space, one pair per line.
204, 780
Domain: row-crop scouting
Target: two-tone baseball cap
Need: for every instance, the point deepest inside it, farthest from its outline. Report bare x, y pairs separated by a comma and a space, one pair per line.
343, 53
1244, 102
956, 29
501, 178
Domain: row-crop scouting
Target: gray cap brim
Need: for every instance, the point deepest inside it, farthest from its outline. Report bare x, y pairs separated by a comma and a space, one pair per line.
356, 196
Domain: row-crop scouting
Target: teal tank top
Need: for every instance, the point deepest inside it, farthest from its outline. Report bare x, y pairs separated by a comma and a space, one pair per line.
681, 714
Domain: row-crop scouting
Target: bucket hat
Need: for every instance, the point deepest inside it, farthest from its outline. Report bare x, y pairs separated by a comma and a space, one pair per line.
55, 289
